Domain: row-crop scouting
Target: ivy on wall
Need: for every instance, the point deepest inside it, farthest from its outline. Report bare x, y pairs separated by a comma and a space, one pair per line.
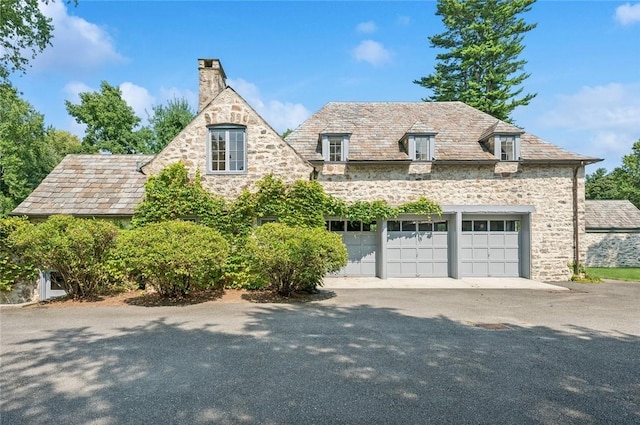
172, 194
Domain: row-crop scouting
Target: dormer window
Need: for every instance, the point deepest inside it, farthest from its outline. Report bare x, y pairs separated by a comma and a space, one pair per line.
505, 147
420, 147
335, 147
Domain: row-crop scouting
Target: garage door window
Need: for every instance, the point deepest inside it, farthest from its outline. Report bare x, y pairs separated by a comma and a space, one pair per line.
350, 226
413, 225
491, 225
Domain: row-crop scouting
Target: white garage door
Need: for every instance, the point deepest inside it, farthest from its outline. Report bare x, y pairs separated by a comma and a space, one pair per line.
417, 248
490, 247
360, 240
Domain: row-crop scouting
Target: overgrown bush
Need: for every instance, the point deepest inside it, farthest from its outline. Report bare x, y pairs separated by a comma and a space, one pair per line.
75, 248
293, 258
12, 266
174, 257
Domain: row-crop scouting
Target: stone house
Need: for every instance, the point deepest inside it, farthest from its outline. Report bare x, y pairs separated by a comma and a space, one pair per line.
513, 204
612, 234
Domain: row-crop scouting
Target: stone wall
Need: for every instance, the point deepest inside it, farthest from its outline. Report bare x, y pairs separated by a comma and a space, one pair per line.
267, 153
547, 188
21, 292
612, 249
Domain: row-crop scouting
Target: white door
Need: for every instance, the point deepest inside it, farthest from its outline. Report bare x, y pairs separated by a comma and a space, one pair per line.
490, 247
360, 240
417, 248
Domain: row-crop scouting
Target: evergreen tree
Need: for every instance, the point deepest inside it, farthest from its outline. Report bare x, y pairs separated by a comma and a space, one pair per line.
481, 65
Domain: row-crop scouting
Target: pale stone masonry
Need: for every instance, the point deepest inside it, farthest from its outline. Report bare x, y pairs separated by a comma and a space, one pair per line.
613, 234
474, 166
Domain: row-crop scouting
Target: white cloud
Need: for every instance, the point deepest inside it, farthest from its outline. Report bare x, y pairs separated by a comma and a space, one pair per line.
76, 43
138, 98
601, 121
280, 115
628, 14
367, 27
372, 52
403, 21
72, 90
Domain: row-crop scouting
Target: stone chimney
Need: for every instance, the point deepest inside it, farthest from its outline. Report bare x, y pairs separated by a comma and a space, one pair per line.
212, 81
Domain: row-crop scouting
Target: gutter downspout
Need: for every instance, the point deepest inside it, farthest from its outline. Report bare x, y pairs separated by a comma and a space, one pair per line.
576, 227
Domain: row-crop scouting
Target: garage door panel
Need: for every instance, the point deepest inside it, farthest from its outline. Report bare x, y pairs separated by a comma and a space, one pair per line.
421, 253
492, 250
361, 249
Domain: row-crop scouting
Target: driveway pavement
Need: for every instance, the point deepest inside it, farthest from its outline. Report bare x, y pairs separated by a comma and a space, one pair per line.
358, 356
438, 283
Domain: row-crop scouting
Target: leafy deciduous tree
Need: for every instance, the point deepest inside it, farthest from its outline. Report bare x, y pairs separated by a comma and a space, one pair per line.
167, 121
481, 65
621, 183
25, 156
111, 122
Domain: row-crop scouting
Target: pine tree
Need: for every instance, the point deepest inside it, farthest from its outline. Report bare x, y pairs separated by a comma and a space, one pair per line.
481, 65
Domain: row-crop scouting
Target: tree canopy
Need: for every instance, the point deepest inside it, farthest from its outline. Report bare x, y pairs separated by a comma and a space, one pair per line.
167, 121
26, 156
24, 32
621, 183
480, 65
111, 122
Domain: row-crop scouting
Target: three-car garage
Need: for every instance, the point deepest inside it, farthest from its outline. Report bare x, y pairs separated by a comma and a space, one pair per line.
483, 242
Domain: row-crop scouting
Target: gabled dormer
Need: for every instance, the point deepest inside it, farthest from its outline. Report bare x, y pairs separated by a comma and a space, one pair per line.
419, 142
503, 141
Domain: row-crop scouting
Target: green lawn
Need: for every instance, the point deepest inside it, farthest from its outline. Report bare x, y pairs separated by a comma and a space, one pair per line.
616, 273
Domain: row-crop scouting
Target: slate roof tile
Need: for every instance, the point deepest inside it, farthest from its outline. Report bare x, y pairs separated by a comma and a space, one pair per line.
611, 214
377, 127
78, 186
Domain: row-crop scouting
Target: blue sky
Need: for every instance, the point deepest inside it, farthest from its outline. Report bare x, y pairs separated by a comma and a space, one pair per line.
287, 59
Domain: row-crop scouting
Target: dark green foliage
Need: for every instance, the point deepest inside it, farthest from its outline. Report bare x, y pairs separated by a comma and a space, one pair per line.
24, 32
75, 248
480, 64
167, 121
294, 258
111, 122
173, 195
175, 257
12, 266
25, 156
621, 183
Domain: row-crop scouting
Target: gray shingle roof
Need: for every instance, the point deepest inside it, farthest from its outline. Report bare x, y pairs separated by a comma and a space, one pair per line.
377, 127
611, 215
89, 185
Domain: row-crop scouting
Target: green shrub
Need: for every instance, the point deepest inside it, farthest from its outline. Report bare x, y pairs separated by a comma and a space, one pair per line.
75, 248
12, 266
295, 258
175, 257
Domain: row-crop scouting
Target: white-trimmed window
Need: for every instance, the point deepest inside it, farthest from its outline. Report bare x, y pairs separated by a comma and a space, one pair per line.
227, 149
507, 147
420, 147
335, 147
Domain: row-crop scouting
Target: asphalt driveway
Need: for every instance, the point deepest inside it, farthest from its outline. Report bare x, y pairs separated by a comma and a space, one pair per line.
359, 356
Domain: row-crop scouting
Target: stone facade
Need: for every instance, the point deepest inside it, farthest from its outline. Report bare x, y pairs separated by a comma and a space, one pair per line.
266, 152
547, 188
21, 292
612, 249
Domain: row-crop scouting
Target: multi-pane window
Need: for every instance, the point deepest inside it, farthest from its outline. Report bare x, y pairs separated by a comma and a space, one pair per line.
335, 147
227, 149
422, 148
507, 148
491, 225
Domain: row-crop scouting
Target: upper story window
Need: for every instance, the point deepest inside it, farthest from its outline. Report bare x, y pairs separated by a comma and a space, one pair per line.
507, 147
335, 148
420, 147
227, 149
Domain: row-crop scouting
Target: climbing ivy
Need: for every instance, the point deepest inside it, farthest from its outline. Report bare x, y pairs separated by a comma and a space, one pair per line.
172, 194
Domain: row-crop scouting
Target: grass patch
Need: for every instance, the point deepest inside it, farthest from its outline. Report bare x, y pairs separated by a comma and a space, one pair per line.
631, 274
